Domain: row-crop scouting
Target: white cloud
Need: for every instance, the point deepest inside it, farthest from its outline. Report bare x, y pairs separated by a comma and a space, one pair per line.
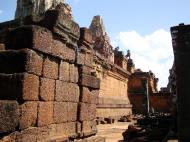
1, 11
151, 52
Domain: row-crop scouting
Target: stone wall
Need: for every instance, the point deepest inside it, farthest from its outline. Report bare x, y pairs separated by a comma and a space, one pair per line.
158, 103
113, 97
47, 90
181, 47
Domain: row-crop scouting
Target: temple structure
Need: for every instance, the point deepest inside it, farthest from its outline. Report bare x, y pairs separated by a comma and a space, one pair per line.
58, 81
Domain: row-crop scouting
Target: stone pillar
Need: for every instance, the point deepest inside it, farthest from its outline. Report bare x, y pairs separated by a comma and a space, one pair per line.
181, 47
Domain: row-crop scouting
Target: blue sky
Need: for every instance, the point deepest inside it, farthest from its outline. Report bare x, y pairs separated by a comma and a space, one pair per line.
139, 25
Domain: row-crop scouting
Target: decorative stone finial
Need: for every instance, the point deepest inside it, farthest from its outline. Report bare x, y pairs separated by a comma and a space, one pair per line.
34, 7
102, 42
97, 26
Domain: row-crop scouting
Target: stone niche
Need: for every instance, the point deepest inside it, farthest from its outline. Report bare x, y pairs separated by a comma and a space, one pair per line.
47, 90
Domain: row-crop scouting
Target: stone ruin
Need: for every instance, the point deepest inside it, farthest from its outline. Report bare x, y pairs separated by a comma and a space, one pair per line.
58, 81
47, 90
180, 77
38, 7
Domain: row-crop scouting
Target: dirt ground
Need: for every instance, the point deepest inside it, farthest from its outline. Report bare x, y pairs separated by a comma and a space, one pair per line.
113, 132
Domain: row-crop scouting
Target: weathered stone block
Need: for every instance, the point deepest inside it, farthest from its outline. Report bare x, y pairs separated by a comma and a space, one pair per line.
73, 73
66, 92
33, 37
83, 112
46, 133
81, 58
79, 127
92, 111
13, 61
89, 128
89, 59
64, 71
9, 116
22, 86
75, 29
90, 81
87, 111
85, 70
86, 95
28, 115
73, 92
59, 49
85, 34
71, 129
61, 112
72, 111
9, 138
61, 91
27, 86
45, 113
86, 126
50, 68
27, 135
95, 96
47, 89
61, 24
68, 129
61, 129
6, 87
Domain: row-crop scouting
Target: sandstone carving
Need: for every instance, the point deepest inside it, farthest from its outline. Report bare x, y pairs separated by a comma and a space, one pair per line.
30, 7
100, 37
